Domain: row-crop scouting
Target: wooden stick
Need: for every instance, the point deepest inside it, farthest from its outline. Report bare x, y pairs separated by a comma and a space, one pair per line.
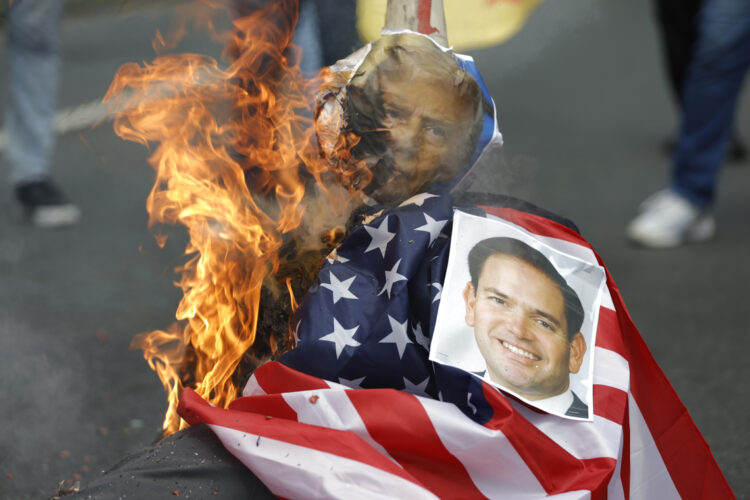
423, 16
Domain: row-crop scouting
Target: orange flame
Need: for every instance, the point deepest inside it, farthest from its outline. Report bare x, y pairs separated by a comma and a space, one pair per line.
235, 154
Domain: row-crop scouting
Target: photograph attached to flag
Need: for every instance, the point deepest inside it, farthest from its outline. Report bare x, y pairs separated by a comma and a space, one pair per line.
521, 314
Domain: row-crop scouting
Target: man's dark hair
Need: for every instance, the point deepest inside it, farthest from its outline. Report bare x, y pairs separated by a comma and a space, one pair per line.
516, 248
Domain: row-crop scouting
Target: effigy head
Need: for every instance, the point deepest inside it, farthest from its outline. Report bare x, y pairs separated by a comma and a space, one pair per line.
415, 113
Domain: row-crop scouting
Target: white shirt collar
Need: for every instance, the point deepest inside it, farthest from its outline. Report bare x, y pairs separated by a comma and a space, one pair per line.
557, 405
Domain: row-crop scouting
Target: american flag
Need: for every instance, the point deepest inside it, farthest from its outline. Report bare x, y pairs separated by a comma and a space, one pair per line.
357, 410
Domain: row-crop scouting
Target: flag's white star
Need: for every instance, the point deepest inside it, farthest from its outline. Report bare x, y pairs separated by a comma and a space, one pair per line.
421, 337
296, 331
341, 336
335, 257
418, 199
432, 226
355, 383
468, 401
439, 288
380, 237
392, 277
417, 389
397, 336
340, 289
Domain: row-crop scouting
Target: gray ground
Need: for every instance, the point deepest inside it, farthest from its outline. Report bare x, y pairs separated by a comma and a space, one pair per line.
584, 109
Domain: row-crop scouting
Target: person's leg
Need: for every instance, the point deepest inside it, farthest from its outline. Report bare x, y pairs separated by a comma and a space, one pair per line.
33, 69
681, 213
678, 29
710, 95
33, 73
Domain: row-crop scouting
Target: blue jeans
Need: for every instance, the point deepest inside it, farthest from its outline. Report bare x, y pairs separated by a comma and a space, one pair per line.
33, 69
710, 94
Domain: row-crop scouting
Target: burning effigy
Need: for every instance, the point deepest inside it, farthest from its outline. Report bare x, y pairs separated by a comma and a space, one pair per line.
356, 323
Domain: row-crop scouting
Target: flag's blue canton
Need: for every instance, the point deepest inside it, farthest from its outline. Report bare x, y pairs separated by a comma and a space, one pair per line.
368, 321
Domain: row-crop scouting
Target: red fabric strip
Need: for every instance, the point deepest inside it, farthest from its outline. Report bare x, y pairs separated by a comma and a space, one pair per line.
625, 459
610, 403
273, 405
275, 378
608, 335
401, 425
536, 224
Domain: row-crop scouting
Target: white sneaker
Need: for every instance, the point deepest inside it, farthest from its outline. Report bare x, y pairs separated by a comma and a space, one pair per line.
668, 220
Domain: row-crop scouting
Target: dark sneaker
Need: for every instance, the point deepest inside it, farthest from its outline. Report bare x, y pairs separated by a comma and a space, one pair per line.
45, 205
736, 152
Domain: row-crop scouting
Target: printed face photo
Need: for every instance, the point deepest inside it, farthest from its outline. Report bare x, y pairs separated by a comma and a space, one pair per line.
520, 314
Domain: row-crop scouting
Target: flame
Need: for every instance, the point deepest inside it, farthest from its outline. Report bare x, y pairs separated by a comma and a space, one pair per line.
237, 164
290, 288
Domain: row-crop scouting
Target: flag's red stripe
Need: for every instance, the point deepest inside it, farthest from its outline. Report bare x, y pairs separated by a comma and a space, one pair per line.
556, 470
610, 403
344, 444
608, 334
682, 447
272, 405
401, 425
625, 459
536, 224
275, 378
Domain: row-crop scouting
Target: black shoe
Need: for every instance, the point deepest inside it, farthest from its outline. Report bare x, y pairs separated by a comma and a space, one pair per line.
45, 205
736, 152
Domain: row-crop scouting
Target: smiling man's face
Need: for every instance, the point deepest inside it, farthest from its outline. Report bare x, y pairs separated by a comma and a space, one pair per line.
518, 316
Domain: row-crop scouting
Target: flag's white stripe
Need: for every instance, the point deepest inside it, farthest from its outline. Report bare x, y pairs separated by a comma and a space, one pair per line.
572, 495
583, 440
615, 490
492, 462
649, 477
611, 369
607, 299
253, 388
293, 471
332, 409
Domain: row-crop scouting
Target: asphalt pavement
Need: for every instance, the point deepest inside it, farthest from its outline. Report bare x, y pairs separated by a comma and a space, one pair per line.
584, 108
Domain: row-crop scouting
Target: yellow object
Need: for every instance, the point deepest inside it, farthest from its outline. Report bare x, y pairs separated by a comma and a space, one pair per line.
471, 24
